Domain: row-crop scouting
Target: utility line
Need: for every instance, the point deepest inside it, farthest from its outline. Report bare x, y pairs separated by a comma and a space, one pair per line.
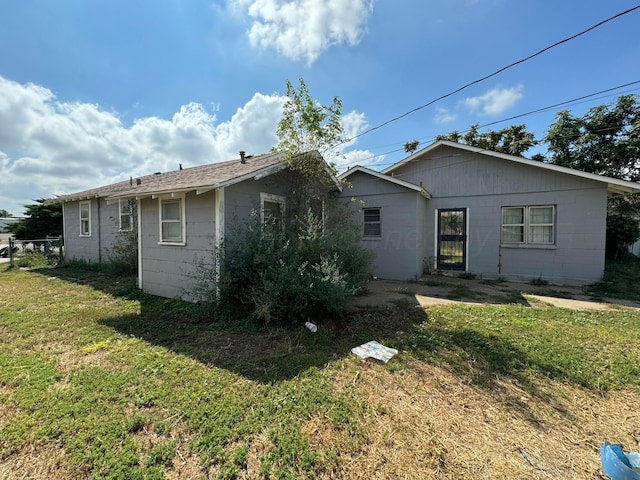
538, 110
568, 39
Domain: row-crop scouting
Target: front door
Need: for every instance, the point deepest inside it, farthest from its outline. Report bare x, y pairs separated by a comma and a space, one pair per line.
452, 239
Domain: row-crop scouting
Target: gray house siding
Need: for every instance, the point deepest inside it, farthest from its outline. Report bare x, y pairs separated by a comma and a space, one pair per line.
244, 197
173, 270
170, 270
398, 250
483, 185
104, 231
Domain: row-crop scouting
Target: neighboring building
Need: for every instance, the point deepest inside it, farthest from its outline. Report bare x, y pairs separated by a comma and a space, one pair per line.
181, 216
453, 207
6, 221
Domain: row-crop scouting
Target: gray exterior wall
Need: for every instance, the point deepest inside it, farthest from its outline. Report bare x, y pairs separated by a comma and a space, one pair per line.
104, 231
399, 249
244, 197
482, 184
170, 270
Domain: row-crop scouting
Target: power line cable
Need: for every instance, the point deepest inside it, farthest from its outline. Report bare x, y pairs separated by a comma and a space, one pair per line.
549, 107
568, 39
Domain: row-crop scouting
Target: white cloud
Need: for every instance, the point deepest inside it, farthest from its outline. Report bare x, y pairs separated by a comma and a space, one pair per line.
303, 29
444, 115
49, 147
495, 101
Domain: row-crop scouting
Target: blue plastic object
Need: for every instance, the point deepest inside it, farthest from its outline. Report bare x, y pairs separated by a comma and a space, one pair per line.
618, 465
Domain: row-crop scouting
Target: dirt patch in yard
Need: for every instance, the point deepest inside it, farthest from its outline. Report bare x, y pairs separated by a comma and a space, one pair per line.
443, 290
429, 423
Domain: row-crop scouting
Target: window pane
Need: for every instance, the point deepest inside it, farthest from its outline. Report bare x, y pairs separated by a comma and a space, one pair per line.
451, 223
372, 229
372, 215
84, 227
513, 234
272, 210
84, 210
125, 222
171, 210
513, 216
541, 234
539, 215
172, 231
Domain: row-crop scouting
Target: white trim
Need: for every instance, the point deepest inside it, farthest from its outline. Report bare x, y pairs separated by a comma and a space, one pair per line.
183, 223
140, 270
88, 219
526, 225
218, 207
270, 197
120, 215
64, 225
387, 178
379, 222
612, 183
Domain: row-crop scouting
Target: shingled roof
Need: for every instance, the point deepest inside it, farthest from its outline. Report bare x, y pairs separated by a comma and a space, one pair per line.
201, 178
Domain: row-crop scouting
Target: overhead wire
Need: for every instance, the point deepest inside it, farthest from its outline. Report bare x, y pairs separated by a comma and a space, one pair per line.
518, 62
531, 112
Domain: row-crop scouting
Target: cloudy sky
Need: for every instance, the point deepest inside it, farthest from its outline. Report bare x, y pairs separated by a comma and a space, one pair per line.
93, 92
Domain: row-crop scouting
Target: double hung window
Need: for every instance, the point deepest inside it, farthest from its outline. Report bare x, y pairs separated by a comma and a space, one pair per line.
528, 224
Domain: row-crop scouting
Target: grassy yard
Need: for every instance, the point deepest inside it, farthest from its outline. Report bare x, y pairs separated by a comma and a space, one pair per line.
99, 381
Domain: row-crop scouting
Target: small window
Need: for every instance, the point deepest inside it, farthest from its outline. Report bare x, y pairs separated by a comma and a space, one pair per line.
172, 221
513, 225
85, 219
126, 215
540, 224
529, 224
272, 209
372, 224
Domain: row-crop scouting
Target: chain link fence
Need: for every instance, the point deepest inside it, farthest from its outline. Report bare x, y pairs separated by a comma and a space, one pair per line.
33, 253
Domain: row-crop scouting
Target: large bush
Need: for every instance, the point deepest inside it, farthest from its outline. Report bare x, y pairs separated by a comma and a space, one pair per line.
270, 275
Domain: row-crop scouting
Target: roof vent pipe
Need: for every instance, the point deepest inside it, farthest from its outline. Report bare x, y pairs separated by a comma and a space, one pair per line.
138, 181
242, 160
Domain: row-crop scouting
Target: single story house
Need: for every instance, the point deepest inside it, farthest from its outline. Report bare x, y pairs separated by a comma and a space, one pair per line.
455, 208
180, 216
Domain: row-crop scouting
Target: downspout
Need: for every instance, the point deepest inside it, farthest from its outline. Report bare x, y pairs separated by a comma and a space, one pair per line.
219, 233
64, 228
139, 222
99, 234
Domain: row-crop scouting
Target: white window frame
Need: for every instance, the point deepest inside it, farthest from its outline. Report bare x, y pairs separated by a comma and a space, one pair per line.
128, 213
270, 197
180, 198
86, 220
527, 225
378, 222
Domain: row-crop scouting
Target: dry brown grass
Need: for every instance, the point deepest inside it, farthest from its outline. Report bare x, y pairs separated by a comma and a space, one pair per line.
40, 462
429, 423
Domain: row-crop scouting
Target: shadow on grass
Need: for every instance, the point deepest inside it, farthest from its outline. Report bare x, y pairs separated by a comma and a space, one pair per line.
269, 354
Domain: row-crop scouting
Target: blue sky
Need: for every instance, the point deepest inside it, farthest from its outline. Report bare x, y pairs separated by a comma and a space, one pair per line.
95, 92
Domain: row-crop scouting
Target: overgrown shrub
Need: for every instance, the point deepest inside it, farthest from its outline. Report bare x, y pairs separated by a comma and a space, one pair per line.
272, 276
122, 255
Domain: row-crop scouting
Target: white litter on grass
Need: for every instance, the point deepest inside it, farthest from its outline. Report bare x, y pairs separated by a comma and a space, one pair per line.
311, 326
375, 350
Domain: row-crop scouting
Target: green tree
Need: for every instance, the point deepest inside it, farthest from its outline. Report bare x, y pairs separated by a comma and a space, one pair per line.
41, 220
308, 128
604, 141
4, 213
513, 140
307, 268
412, 146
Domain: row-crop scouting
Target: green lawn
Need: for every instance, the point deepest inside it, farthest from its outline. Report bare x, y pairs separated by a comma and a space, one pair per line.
131, 386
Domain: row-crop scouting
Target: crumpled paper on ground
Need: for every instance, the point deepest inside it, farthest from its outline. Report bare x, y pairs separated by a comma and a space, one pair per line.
375, 350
